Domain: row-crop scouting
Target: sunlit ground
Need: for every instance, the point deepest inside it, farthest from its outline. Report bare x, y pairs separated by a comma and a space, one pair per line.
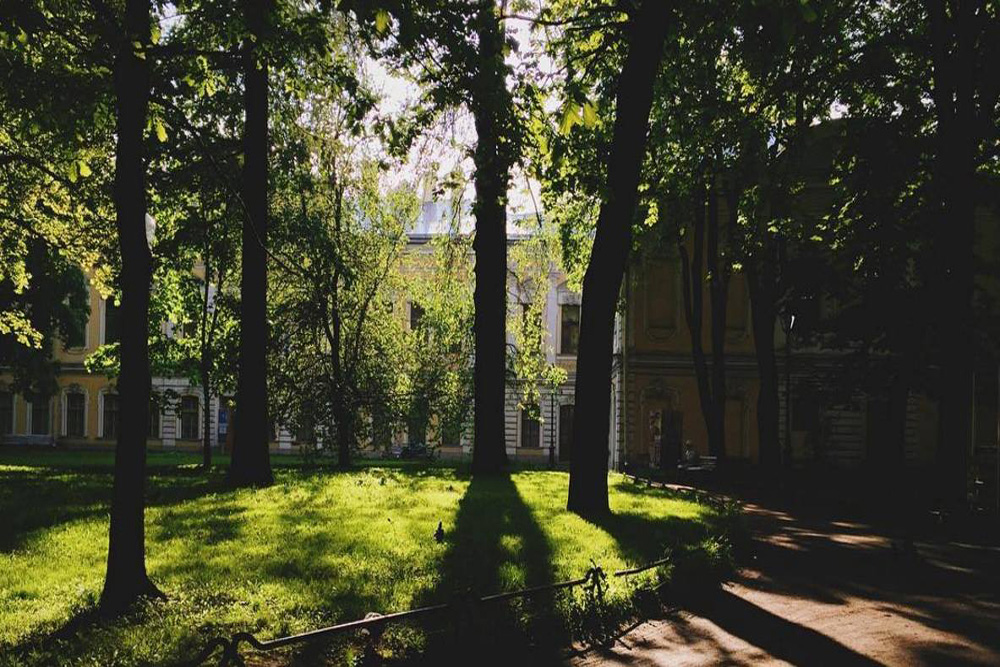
317, 548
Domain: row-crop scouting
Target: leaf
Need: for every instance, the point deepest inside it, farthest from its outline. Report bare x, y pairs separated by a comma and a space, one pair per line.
161, 131
381, 21
589, 115
84, 168
571, 116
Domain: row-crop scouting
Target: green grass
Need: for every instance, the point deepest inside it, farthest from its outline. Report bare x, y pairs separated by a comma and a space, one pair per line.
319, 547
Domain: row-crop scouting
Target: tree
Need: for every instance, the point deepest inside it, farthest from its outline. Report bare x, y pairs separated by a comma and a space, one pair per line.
126, 579
251, 464
647, 29
457, 49
961, 40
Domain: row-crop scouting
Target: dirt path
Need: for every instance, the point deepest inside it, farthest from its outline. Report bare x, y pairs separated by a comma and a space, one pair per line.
824, 592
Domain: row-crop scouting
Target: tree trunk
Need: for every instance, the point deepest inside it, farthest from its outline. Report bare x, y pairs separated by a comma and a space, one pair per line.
344, 415
490, 107
763, 313
719, 294
251, 464
588, 483
206, 445
955, 176
704, 215
126, 579
205, 369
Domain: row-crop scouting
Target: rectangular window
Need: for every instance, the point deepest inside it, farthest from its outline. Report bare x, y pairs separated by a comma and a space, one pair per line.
74, 414
189, 418
416, 429
154, 420
451, 434
569, 336
76, 335
40, 416
110, 416
531, 430
416, 315
6, 412
565, 432
112, 317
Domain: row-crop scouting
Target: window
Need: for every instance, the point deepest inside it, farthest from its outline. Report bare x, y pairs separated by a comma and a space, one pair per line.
661, 295
569, 336
737, 305
531, 430
75, 414
110, 416
416, 315
416, 429
112, 317
6, 412
40, 421
154, 420
76, 334
189, 418
565, 432
451, 433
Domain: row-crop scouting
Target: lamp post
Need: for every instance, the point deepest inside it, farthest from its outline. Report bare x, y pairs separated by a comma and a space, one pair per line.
787, 324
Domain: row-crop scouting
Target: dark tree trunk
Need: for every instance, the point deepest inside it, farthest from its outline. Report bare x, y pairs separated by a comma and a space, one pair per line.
344, 415
490, 107
205, 369
711, 380
955, 176
206, 443
251, 464
588, 482
126, 579
761, 282
719, 294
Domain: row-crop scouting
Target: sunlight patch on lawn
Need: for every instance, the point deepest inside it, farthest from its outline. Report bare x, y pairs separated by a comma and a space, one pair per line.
318, 547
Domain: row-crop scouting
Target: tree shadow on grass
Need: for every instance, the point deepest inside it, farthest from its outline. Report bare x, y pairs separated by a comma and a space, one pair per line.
495, 546
37, 498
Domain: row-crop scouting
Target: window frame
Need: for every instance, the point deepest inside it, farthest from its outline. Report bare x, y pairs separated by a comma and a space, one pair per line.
181, 412
563, 331
83, 413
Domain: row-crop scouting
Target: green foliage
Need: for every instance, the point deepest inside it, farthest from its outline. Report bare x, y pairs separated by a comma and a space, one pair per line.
439, 372
532, 261
339, 231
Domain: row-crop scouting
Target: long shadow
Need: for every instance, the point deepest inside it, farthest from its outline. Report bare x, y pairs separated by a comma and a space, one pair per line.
781, 638
39, 498
495, 546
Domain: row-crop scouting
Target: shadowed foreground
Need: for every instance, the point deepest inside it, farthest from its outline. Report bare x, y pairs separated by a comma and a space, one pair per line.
832, 592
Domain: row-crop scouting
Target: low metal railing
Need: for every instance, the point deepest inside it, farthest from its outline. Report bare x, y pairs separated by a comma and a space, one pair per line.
594, 580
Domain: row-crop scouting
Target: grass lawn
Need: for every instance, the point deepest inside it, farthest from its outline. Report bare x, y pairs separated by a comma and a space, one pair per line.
317, 548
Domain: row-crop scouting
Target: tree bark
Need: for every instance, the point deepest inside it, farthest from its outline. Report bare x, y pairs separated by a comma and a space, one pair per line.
205, 369
126, 579
711, 380
588, 483
718, 286
490, 107
761, 282
954, 181
251, 464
